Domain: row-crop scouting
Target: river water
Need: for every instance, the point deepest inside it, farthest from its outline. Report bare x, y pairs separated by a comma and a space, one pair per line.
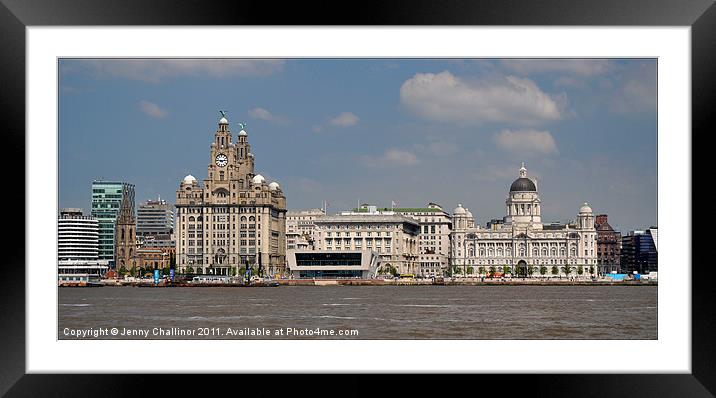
360, 312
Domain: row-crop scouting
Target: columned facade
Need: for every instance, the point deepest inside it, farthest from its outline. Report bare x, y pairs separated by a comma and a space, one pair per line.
522, 244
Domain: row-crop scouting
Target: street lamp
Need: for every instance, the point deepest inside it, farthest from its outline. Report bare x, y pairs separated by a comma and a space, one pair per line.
164, 264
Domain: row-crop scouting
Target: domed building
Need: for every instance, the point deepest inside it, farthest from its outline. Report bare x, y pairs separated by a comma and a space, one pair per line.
236, 218
521, 244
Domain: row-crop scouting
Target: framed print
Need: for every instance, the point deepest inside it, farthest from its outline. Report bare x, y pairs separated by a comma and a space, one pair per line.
324, 144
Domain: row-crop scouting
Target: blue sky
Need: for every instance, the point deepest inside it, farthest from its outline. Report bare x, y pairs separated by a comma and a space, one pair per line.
346, 131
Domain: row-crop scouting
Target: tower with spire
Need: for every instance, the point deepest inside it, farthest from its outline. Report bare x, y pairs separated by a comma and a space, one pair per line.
125, 234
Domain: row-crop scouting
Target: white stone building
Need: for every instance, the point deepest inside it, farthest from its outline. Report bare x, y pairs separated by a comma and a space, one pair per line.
300, 228
522, 244
434, 237
393, 236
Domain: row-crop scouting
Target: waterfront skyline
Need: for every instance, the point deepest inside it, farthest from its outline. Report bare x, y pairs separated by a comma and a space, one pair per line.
376, 131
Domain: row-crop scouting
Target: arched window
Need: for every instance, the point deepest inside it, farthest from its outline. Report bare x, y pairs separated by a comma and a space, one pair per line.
535, 252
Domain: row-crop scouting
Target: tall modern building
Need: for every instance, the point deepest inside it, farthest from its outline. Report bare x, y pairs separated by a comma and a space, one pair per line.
78, 248
609, 243
639, 252
522, 243
155, 218
78, 236
108, 198
235, 218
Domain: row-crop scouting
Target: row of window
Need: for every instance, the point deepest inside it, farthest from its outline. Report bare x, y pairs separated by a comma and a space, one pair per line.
338, 234
360, 226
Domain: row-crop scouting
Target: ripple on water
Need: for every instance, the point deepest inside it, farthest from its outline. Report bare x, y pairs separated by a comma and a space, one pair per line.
385, 312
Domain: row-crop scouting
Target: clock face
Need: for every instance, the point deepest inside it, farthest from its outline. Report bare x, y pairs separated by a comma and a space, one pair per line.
221, 160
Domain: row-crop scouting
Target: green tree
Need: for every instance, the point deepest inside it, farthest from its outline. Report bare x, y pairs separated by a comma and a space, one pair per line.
530, 270
470, 270
134, 271
542, 270
580, 270
507, 269
555, 270
165, 271
233, 271
492, 271
591, 270
122, 271
481, 270
567, 271
521, 271
190, 270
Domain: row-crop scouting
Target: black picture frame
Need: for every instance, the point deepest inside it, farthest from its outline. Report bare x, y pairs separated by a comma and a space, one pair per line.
16, 15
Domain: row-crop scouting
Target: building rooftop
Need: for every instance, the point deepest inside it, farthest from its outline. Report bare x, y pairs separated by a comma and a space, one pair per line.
401, 210
365, 218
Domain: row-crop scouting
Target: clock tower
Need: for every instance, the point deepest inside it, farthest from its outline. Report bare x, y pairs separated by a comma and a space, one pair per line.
235, 218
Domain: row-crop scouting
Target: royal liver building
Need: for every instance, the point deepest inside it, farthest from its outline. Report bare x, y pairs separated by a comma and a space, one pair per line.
235, 218
520, 243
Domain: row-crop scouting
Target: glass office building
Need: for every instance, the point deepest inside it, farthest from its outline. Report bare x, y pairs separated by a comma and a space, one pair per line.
155, 218
639, 252
107, 197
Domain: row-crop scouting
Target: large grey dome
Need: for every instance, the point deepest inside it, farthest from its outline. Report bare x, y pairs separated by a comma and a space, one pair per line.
523, 184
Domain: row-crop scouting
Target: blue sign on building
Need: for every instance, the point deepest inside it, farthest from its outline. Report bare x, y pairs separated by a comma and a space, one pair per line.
156, 276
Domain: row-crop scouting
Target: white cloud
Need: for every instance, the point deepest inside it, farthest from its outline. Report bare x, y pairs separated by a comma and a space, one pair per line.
439, 148
152, 109
400, 157
261, 113
156, 70
580, 67
636, 92
445, 97
345, 119
392, 157
526, 141
492, 172
264, 114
